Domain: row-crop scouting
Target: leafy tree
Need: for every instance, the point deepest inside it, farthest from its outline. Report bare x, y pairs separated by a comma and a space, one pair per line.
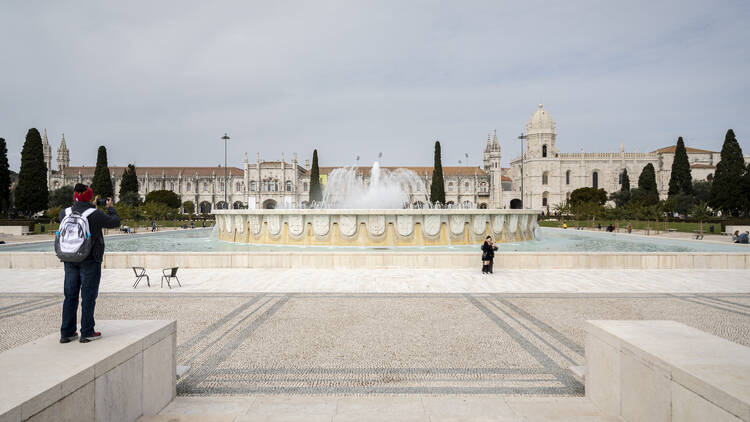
683, 203
701, 191
745, 192
437, 188
680, 179
129, 185
316, 194
102, 183
647, 183
31, 191
166, 197
54, 213
726, 189
159, 211
625, 181
620, 198
61, 197
4, 178
701, 212
132, 199
588, 195
188, 207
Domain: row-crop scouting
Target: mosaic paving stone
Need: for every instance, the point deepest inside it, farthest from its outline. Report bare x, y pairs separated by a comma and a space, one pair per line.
371, 344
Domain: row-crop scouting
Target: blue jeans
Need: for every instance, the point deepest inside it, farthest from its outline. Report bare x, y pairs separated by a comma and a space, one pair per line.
84, 277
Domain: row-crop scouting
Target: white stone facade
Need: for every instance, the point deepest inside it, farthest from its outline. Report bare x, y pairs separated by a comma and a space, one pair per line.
549, 176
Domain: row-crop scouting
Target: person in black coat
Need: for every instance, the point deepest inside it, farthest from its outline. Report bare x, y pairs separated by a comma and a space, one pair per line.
83, 277
488, 255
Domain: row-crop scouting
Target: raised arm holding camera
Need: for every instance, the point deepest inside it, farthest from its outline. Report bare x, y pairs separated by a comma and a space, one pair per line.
80, 245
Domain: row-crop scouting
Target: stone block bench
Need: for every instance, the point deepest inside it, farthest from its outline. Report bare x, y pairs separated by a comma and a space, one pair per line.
14, 230
666, 371
128, 373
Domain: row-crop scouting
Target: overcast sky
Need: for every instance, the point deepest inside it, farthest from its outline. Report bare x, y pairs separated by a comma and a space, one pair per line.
158, 83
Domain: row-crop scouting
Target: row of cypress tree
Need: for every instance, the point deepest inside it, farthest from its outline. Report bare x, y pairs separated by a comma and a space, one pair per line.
730, 190
31, 193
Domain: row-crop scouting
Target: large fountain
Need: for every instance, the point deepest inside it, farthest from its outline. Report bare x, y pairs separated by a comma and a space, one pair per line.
381, 212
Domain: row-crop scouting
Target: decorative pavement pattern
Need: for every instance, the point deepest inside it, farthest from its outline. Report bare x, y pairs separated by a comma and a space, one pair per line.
369, 344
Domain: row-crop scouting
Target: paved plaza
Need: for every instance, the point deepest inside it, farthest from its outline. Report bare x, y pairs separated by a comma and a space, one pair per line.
391, 344
382, 344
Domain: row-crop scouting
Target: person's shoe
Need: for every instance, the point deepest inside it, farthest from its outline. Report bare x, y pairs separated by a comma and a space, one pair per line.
96, 336
68, 339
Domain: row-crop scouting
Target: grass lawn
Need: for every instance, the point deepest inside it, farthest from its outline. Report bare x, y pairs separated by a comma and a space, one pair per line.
637, 225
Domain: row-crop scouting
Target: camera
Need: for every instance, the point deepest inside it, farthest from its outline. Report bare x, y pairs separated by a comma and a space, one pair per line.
100, 202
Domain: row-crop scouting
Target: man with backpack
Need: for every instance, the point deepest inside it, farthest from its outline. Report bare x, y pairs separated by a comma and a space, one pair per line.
80, 245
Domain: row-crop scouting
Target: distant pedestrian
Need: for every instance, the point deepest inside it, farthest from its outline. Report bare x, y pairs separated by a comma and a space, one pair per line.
736, 236
153, 225
565, 225
488, 255
630, 228
744, 237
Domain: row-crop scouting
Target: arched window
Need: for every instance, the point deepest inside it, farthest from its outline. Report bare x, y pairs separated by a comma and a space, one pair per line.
288, 186
545, 177
171, 186
252, 186
466, 185
450, 186
239, 187
221, 186
189, 186
567, 177
595, 180
205, 187
544, 151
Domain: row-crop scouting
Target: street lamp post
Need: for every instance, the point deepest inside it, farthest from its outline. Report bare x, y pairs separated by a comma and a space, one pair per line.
523, 199
225, 138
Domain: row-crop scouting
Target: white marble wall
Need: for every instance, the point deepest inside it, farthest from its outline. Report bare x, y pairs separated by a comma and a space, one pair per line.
129, 373
391, 259
664, 371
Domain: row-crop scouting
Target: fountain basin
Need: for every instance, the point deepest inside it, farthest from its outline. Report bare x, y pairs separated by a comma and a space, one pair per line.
385, 227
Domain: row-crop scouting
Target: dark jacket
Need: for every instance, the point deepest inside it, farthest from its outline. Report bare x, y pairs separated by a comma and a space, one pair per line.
488, 252
97, 221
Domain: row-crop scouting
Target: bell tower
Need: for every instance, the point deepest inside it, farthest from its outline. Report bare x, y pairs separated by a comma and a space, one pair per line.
63, 157
492, 157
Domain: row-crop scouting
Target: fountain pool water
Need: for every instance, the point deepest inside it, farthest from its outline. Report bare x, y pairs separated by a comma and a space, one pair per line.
551, 240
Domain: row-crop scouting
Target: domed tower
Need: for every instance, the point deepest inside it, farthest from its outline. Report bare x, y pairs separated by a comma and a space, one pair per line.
63, 157
540, 135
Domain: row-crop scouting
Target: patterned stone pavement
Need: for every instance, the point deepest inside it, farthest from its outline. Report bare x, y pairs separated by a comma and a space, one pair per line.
378, 344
